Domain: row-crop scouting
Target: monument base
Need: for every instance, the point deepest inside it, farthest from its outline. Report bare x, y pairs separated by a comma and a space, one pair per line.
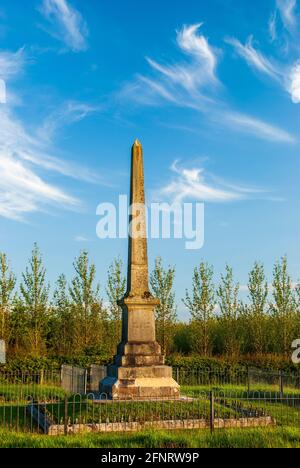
138, 372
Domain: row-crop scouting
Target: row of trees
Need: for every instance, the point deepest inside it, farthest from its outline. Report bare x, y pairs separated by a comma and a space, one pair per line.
268, 322
75, 320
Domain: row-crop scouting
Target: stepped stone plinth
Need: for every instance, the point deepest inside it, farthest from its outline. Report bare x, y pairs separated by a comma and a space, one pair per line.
138, 370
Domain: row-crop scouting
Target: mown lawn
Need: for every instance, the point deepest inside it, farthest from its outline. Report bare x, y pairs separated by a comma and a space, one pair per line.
244, 438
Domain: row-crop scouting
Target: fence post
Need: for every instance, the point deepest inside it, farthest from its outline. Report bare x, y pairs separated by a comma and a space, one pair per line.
281, 388
248, 379
66, 416
42, 377
212, 411
85, 381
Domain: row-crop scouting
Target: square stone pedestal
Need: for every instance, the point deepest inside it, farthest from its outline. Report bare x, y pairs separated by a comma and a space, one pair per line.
139, 372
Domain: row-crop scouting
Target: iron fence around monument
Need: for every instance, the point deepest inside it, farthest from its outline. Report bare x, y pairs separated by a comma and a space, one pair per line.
72, 380
206, 377
41, 402
249, 378
195, 410
15, 385
65, 379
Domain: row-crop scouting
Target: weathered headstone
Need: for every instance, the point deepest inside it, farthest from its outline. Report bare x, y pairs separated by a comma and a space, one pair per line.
97, 373
138, 370
73, 379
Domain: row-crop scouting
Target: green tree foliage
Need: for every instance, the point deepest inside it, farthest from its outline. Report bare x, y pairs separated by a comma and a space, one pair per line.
228, 292
35, 293
116, 287
297, 292
161, 281
7, 286
283, 308
115, 290
77, 325
255, 312
182, 342
62, 323
201, 305
85, 296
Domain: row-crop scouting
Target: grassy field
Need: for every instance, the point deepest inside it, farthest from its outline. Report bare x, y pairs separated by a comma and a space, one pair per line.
239, 390
23, 392
10, 392
234, 438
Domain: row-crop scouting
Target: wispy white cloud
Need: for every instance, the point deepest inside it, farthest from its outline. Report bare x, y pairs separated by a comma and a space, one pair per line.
272, 25
254, 57
81, 239
287, 76
36, 147
186, 77
196, 184
287, 10
11, 63
23, 191
26, 157
2, 91
66, 23
194, 84
156, 88
256, 127
197, 46
294, 83
68, 113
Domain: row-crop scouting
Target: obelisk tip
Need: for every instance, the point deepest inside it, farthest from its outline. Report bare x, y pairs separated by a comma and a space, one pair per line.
137, 143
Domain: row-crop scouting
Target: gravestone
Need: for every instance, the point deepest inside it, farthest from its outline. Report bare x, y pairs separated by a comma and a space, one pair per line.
97, 373
74, 379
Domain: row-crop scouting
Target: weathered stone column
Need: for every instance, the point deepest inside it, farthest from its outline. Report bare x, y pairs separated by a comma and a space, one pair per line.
138, 370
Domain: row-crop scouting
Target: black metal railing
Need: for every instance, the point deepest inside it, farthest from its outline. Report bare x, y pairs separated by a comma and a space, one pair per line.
37, 402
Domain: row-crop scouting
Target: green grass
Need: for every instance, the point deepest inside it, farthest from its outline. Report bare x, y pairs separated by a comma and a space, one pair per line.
85, 411
234, 438
239, 390
81, 410
23, 392
236, 404
283, 413
14, 398
10, 392
228, 405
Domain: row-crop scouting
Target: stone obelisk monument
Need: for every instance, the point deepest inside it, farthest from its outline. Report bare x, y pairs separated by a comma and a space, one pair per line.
138, 370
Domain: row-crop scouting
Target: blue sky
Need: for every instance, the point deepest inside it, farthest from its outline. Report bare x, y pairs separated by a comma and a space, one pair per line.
211, 89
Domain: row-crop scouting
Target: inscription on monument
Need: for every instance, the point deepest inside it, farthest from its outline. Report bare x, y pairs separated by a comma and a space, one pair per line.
141, 327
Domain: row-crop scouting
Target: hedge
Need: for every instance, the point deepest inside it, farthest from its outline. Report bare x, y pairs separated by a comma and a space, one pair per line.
221, 364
